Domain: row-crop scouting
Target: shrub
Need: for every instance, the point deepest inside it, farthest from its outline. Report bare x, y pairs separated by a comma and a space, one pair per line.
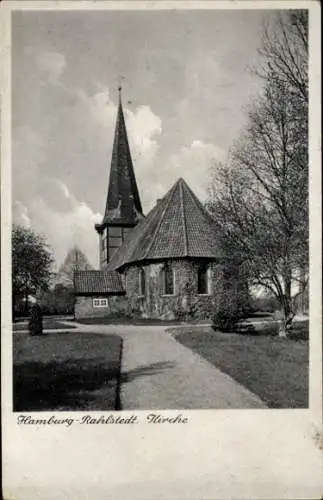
264, 304
226, 319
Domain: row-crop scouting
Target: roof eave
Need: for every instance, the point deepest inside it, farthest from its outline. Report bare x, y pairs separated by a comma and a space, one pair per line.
157, 259
98, 294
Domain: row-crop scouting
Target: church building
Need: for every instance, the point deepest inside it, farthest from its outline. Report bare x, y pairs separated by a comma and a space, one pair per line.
168, 264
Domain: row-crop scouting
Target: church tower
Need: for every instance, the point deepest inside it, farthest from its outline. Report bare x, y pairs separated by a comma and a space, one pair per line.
123, 207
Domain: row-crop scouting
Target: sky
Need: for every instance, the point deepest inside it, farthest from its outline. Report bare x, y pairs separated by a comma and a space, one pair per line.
187, 80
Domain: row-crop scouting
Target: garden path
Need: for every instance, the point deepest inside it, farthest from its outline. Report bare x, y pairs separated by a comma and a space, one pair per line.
157, 372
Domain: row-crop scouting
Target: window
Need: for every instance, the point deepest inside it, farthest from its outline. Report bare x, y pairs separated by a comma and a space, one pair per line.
100, 302
115, 241
203, 279
168, 279
115, 231
142, 282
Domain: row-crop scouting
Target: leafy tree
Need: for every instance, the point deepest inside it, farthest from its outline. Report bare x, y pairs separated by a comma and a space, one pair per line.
59, 300
31, 264
260, 196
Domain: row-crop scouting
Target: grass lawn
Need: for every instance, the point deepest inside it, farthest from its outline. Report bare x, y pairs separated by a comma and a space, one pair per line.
274, 368
48, 324
299, 330
66, 371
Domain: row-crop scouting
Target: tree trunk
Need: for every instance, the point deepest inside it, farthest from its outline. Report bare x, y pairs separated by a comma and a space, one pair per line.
288, 313
285, 324
302, 290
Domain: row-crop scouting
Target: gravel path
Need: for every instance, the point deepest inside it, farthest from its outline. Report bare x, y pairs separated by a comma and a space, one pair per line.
160, 373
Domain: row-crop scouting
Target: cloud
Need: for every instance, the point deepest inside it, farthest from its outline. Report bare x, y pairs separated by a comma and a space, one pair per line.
63, 228
58, 197
203, 73
143, 127
52, 65
28, 156
20, 214
192, 163
101, 109
42, 171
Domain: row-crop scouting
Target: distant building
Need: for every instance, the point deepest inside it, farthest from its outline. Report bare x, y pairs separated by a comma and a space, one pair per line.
166, 265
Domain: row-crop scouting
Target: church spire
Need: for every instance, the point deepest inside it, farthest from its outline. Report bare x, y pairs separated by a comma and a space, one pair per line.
123, 206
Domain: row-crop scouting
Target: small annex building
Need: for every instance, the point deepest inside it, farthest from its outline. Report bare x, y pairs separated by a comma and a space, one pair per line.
167, 265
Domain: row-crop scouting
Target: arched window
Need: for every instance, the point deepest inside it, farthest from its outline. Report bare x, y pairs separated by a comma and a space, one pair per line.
203, 279
142, 282
168, 279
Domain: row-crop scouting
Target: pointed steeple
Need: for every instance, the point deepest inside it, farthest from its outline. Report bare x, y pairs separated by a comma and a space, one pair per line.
123, 206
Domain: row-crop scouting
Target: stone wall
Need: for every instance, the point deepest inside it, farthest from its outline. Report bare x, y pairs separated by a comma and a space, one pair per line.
185, 304
117, 305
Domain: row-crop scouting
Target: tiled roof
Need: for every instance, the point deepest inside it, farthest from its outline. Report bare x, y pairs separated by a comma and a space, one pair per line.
100, 282
178, 226
123, 204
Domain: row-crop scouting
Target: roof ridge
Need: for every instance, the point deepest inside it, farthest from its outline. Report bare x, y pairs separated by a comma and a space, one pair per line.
94, 271
160, 222
115, 150
184, 218
199, 204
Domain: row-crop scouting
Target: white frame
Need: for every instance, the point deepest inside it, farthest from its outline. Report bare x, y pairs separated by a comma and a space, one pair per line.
102, 302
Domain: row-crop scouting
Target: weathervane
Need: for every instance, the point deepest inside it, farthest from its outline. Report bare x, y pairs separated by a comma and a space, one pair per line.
120, 79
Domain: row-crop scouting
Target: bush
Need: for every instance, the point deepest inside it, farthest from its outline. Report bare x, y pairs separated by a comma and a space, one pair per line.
227, 319
267, 304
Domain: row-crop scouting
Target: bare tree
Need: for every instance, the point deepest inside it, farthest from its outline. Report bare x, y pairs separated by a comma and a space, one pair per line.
260, 197
284, 50
75, 260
